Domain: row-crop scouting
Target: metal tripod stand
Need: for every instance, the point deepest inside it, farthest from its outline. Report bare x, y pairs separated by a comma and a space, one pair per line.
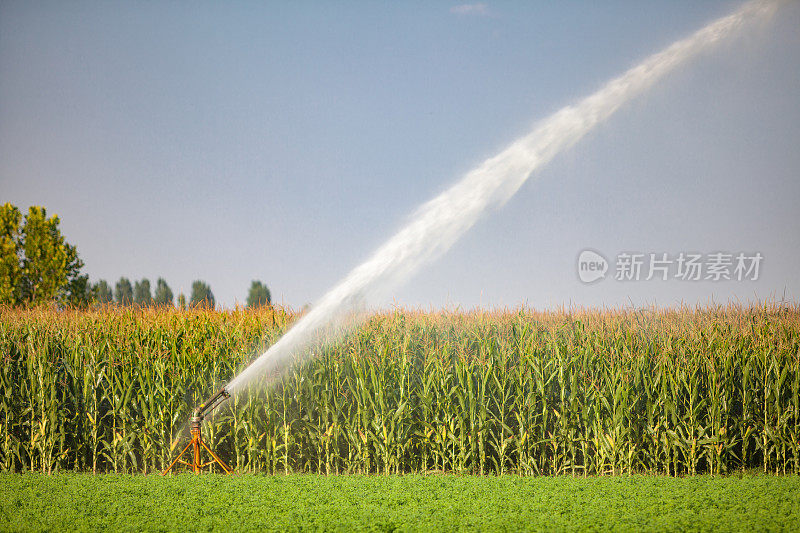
197, 443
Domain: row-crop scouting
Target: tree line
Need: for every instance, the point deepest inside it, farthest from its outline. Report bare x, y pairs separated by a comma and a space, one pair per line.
38, 266
139, 293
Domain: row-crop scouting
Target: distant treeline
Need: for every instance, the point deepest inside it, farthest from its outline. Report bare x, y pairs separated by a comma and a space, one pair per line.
38, 266
140, 293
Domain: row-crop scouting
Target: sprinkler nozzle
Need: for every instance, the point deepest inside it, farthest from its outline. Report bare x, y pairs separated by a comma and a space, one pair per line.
209, 405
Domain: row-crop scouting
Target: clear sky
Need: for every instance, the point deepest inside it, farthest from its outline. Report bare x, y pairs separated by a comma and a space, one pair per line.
285, 141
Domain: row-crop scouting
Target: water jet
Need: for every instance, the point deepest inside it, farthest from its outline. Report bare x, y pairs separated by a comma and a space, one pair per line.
440, 222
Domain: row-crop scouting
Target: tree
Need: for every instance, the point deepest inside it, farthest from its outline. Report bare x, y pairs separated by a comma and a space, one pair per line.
163, 295
141, 293
10, 267
123, 292
182, 301
201, 295
258, 295
37, 264
49, 263
101, 292
79, 293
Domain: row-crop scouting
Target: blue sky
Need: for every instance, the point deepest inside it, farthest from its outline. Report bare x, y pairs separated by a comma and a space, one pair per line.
285, 141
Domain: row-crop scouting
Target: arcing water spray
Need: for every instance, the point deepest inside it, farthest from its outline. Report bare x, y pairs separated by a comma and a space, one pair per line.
439, 223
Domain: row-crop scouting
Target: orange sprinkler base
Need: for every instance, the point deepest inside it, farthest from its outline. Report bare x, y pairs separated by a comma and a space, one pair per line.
197, 441
195, 445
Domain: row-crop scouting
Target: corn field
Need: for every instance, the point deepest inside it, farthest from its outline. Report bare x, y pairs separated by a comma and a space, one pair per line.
676, 392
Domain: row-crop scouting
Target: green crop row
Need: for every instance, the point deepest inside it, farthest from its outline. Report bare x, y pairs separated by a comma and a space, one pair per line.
583, 393
35, 502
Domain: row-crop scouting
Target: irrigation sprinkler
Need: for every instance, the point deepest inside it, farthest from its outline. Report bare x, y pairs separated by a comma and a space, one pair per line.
197, 441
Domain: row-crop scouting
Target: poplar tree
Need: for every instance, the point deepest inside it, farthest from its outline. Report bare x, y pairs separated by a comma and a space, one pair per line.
37, 264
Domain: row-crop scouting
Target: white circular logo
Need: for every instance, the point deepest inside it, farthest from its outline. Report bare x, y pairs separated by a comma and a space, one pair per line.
591, 266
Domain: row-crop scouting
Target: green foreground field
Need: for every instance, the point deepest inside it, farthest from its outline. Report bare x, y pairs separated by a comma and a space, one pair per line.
116, 502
